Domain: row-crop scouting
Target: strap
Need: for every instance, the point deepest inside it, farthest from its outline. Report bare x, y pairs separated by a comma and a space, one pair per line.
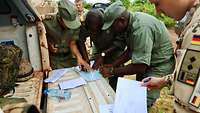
188, 23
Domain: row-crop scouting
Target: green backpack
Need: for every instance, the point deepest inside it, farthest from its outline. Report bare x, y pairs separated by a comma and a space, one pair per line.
10, 56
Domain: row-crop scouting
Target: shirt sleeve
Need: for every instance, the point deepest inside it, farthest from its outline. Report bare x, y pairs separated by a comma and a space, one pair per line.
141, 45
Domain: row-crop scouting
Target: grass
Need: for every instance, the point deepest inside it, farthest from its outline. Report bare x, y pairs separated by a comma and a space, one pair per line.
164, 104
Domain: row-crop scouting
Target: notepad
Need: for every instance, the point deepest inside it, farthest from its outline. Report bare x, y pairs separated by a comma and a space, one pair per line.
131, 97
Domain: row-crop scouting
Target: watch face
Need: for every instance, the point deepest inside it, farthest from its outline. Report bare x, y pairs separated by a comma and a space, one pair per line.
103, 54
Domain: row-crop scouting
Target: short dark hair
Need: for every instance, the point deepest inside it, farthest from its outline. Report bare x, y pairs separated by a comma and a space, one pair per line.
97, 13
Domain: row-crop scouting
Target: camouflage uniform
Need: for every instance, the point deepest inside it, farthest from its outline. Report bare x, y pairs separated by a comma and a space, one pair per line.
183, 90
60, 34
60, 37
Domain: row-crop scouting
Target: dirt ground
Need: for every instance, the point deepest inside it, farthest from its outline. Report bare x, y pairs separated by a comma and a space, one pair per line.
165, 103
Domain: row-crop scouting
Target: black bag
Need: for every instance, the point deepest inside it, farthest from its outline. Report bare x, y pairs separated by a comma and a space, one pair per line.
100, 5
10, 56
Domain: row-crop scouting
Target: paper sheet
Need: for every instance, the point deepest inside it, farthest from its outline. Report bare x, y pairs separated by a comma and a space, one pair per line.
91, 75
108, 108
131, 97
58, 73
72, 83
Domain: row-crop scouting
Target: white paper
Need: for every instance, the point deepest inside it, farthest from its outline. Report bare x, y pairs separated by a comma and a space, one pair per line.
72, 83
108, 108
131, 97
58, 73
1, 111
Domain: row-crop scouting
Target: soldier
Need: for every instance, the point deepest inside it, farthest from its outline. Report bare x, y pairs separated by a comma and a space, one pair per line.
104, 50
62, 33
148, 45
81, 11
186, 77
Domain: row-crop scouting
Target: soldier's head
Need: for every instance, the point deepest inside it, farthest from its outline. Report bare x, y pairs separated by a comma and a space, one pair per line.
94, 20
175, 9
116, 17
79, 5
67, 15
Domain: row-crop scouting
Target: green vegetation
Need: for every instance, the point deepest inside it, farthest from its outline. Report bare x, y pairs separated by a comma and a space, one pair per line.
87, 5
146, 7
142, 6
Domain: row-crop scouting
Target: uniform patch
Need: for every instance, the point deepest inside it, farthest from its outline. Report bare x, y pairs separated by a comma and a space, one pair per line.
195, 40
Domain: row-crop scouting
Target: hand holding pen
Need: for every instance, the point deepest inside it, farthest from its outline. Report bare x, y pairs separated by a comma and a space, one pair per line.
153, 82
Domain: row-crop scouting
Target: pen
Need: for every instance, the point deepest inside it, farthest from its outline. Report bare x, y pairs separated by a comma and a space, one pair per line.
147, 80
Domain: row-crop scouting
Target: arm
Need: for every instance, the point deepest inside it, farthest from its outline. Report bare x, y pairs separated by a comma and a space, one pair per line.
100, 59
83, 50
125, 70
83, 34
75, 51
157, 82
122, 58
140, 48
130, 69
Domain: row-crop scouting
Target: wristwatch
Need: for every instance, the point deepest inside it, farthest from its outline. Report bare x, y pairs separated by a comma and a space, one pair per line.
103, 54
169, 80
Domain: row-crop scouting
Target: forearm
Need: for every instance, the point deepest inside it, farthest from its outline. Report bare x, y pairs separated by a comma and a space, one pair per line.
122, 58
74, 49
129, 69
83, 50
110, 50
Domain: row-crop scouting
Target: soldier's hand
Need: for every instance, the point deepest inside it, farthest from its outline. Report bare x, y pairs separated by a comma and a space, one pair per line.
106, 71
83, 64
52, 48
153, 82
98, 62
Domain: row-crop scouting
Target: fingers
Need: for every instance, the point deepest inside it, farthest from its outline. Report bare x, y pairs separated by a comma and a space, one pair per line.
95, 66
146, 82
86, 67
146, 79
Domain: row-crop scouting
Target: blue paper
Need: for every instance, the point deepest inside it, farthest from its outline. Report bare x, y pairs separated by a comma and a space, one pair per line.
91, 75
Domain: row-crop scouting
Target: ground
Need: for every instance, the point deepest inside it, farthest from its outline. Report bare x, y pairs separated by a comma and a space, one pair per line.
164, 104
